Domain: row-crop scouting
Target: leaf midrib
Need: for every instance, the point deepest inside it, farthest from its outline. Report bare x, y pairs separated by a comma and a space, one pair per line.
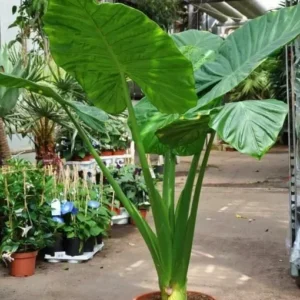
102, 36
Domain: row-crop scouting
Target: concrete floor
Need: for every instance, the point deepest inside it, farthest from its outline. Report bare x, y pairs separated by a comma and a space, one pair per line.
239, 251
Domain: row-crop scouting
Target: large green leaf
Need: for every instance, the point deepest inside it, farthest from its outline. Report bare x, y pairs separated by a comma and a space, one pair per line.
250, 126
186, 129
8, 96
112, 41
203, 40
150, 120
245, 49
92, 116
198, 46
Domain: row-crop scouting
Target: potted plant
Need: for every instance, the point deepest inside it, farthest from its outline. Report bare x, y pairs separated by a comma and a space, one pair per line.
131, 180
120, 140
29, 226
182, 108
71, 147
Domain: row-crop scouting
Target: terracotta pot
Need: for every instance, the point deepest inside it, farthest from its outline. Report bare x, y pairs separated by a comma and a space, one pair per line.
120, 152
150, 296
143, 213
76, 158
115, 209
107, 152
88, 157
23, 264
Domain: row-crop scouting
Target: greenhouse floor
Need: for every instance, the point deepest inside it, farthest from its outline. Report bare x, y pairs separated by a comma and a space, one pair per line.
239, 252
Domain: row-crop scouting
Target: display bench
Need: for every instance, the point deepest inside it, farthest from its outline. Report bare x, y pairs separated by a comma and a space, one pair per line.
91, 168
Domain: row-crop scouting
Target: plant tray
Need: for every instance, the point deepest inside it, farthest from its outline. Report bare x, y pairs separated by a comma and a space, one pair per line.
120, 220
63, 257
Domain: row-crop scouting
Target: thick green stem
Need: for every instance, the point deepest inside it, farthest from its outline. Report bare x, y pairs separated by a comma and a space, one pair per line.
147, 233
193, 215
159, 208
182, 215
137, 138
169, 186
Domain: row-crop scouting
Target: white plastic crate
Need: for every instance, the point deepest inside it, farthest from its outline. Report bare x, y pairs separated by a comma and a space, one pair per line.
63, 257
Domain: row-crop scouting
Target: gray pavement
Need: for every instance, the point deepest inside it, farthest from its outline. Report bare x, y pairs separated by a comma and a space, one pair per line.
239, 251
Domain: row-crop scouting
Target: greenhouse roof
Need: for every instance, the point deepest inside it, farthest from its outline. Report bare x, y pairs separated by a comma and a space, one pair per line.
235, 10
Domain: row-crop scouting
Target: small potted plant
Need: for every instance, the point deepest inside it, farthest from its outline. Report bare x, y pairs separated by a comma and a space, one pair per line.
121, 139
72, 148
29, 226
132, 182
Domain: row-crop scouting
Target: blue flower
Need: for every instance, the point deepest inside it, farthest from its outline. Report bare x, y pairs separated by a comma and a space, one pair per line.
93, 204
58, 220
74, 211
67, 207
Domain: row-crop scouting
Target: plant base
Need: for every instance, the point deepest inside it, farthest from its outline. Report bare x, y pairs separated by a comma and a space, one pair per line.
23, 264
191, 296
74, 247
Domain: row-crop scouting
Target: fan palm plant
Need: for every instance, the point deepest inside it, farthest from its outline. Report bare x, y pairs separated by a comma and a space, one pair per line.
36, 117
11, 63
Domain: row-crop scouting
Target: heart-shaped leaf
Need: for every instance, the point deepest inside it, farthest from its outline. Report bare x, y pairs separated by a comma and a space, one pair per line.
150, 120
100, 44
250, 126
244, 50
198, 46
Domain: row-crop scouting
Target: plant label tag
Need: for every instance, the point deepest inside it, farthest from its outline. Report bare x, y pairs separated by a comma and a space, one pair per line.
107, 162
60, 254
56, 207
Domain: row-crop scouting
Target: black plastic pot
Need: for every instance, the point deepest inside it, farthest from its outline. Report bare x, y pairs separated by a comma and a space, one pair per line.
2, 225
158, 169
99, 239
58, 245
89, 244
74, 247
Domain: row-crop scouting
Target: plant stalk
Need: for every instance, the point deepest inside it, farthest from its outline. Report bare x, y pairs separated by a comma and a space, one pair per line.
169, 186
193, 214
147, 233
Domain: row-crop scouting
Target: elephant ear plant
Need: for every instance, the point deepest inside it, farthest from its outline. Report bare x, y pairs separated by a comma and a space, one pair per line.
184, 78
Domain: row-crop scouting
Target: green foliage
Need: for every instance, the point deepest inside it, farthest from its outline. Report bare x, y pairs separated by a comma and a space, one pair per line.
146, 54
249, 119
24, 191
132, 183
260, 84
153, 64
29, 22
164, 12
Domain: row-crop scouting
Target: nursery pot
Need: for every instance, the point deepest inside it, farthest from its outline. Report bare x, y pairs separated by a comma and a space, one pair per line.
106, 152
115, 209
74, 247
23, 264
88, 157
158, 169
143, 213
191, 296
58, 245
120, 152
89, 245
99, 239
